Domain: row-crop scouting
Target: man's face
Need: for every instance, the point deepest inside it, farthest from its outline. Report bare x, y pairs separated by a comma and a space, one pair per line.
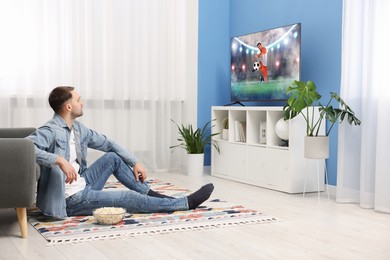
76, 105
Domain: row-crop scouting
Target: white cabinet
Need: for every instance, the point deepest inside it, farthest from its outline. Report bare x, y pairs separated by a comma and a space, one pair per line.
254, 154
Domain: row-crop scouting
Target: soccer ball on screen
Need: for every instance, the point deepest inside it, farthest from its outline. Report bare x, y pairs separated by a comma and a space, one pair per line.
256, 66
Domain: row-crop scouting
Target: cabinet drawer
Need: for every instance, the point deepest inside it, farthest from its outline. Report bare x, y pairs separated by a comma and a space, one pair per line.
257, 165
238, 161
277, 168
219, 160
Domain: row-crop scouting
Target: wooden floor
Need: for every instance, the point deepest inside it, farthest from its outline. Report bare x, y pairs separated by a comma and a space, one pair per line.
311, 229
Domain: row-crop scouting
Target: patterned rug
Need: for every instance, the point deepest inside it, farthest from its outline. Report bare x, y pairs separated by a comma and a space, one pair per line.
214, 213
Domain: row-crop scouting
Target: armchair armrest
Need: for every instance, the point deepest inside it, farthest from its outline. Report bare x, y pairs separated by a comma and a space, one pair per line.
16, 132
17, 173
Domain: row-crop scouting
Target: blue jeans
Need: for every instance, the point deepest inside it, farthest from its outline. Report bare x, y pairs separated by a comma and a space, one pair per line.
134, 200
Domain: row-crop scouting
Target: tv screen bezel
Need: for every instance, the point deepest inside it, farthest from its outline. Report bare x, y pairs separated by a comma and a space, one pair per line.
238, 100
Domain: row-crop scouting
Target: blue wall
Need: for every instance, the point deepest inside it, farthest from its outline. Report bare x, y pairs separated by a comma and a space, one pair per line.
213, 59
220, 20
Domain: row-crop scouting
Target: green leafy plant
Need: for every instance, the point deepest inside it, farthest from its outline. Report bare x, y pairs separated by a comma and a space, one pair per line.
304, 99
194, 141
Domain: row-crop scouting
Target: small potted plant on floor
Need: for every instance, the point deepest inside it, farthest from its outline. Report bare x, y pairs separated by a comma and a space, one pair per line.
304, 99
194, 142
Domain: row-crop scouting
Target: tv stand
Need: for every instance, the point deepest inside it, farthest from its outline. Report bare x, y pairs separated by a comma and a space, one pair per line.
237, 102
252, 153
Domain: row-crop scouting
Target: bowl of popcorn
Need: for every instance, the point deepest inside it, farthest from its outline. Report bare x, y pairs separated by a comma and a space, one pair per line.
109, 215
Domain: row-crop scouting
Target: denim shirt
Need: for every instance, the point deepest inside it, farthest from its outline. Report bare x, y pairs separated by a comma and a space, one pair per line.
52, 140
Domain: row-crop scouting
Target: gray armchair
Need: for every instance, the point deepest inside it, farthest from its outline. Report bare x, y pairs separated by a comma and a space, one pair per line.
18, 172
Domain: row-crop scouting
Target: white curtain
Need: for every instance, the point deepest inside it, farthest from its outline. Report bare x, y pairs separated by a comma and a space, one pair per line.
363, 153
127, 59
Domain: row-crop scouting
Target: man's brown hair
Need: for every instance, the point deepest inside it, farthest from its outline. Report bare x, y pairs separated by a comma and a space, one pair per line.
59, 96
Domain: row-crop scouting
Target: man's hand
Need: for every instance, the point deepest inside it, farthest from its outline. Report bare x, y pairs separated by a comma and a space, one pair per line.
139, 172
67, 169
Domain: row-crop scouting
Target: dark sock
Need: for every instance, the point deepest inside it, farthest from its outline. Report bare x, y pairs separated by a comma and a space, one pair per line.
152, 193
200, 196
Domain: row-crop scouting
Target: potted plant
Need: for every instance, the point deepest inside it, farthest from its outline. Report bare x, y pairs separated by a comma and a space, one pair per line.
194, 142
304, 99
225, 128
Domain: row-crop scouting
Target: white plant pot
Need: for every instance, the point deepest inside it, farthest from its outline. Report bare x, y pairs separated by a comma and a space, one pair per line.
225, 134
195, 165
316, 147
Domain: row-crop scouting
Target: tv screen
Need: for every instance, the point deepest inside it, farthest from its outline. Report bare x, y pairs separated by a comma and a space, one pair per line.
265, 63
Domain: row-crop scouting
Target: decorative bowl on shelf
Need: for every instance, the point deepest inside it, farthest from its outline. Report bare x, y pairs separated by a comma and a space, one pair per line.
109, 215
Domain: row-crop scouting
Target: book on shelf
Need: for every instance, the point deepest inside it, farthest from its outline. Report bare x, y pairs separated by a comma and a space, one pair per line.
239, 131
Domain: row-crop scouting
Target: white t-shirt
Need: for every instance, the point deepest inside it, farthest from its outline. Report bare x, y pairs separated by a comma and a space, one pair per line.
78, 185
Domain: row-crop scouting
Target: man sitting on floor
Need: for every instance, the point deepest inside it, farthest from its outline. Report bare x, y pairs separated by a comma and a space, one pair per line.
67, 187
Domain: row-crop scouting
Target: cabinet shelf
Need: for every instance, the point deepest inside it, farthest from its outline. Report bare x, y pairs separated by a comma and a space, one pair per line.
253, 153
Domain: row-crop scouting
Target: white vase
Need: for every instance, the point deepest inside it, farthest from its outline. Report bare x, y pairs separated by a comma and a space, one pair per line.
225, 134
282, 129
195, 165
316, 147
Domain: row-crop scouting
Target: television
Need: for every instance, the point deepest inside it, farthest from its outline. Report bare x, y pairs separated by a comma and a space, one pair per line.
265, 63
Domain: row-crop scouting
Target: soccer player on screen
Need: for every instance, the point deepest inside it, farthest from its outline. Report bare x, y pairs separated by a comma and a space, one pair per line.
262, 55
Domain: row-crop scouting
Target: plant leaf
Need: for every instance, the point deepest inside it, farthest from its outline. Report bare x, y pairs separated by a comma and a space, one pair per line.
194, 141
